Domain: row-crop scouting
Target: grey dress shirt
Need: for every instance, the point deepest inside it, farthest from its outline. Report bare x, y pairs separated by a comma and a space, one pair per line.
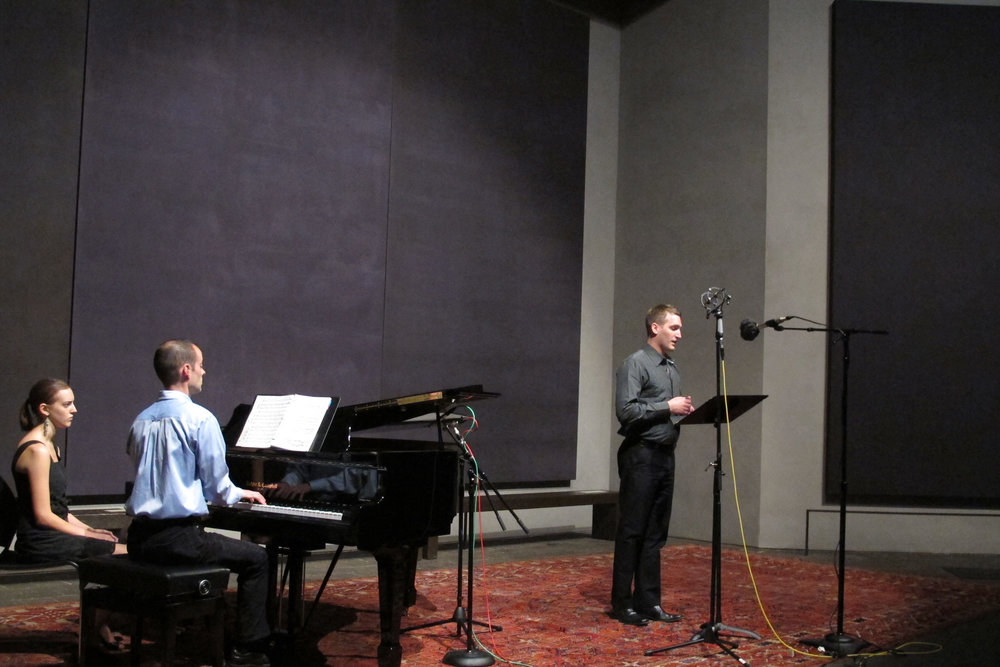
644, 384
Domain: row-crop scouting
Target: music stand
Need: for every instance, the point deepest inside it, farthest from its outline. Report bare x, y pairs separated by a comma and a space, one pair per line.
713, 411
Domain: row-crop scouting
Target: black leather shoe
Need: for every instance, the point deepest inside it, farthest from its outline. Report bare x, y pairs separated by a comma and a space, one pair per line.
657, 614
629, 617
238, 657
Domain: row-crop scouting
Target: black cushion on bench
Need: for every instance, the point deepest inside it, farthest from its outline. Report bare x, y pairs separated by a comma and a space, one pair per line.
167, 593
147, 579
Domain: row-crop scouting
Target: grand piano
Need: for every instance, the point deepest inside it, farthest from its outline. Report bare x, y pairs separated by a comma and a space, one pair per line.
382, 494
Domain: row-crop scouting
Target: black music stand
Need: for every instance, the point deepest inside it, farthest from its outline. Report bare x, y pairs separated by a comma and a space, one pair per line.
713, 411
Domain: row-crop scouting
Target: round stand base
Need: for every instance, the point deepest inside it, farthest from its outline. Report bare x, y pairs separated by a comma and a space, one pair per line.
837, 645
468, 658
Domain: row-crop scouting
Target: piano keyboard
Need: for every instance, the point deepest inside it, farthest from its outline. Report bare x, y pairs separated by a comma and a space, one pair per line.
288, 510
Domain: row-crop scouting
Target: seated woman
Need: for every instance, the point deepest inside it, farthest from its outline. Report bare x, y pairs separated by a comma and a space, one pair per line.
46, 530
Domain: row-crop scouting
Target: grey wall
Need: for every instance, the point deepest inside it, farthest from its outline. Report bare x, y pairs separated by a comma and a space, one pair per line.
776, 265
691, 211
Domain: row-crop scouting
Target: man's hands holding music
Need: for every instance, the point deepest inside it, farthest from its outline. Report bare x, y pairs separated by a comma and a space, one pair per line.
681, 405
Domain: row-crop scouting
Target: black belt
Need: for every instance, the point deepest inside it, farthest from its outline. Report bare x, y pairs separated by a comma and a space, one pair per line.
652, 444
147, 523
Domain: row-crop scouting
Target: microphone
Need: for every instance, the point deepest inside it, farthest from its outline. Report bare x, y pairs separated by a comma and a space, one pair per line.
714, 299
750, 330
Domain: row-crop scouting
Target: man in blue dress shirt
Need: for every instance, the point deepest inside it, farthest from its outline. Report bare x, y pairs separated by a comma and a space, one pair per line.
648, 405
180, 459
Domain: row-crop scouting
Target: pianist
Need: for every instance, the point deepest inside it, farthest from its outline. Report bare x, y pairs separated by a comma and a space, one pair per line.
180, 458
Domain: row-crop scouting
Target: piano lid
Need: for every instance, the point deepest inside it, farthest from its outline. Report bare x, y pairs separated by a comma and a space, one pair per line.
399, 410
387, 412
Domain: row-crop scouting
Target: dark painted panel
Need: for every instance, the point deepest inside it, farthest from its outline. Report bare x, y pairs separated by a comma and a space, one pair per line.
235, 189
234, 183
41, 79
915, 227
486, 221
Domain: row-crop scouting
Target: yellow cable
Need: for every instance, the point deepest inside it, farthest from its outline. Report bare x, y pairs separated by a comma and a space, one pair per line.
743, 539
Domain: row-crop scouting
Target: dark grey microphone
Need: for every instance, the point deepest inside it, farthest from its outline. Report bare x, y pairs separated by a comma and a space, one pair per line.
776, 323
749, 330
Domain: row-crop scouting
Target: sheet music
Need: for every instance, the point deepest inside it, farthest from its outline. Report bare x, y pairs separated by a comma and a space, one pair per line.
285, 422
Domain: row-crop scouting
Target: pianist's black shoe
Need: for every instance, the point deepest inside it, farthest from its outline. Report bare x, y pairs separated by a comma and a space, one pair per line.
238, 657
657, 614
629, 616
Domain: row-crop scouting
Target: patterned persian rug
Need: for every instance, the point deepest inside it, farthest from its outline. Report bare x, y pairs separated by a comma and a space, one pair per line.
554, 613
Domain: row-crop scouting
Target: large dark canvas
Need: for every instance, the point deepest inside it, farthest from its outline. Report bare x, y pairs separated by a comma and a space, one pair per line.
336, 198
915, 225
485, 222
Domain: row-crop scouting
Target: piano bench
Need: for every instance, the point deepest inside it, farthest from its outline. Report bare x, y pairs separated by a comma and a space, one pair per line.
166, 593
604, 518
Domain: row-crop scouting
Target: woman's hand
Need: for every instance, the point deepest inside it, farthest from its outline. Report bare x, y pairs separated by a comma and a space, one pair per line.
100, 534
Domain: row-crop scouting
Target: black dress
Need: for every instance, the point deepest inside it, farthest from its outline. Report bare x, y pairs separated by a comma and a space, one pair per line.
38, 544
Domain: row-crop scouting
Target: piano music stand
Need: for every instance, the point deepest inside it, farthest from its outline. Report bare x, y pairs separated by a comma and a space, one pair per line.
713, 411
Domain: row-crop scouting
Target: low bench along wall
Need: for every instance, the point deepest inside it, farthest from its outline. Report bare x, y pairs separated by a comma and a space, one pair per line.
604, 518
605, 512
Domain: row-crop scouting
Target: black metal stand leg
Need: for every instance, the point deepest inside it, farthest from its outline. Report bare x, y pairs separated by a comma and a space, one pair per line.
710, 632
839, 644
322, 587
470, 656
462, 616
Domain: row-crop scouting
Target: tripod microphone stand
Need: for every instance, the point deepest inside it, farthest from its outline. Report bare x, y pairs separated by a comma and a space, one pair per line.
839, 644
714, 412
473, 479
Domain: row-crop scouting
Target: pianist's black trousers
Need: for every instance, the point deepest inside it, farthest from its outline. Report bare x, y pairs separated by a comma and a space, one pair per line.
645, 499
173, 541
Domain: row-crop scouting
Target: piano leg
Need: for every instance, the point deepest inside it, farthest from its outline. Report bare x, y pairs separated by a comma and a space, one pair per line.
412, 556
396, 571
273, 614
295, 552
295, 566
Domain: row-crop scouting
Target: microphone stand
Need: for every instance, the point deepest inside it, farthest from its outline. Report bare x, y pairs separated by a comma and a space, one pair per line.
839, 644
474, 479
710, 630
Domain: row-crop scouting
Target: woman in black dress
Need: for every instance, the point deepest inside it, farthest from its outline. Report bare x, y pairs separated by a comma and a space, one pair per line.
46, 530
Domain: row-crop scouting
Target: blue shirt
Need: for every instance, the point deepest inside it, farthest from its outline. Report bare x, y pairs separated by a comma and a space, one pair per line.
644, 384
180, 459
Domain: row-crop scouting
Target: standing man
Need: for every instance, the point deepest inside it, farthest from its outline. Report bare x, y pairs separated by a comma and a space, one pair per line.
648, 405
180, 459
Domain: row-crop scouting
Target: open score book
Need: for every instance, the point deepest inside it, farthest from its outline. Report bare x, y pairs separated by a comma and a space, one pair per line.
293, 422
